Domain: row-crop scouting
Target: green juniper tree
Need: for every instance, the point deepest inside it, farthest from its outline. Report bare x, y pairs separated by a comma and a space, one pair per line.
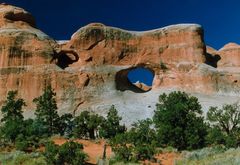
12, 109
46, 111
12, 116
178, 121
111, 126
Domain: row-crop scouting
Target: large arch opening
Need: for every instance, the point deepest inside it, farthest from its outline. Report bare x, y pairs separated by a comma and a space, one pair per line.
65, 57
137, 79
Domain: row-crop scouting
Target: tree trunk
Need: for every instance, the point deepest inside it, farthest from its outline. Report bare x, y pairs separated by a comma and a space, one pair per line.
91, 134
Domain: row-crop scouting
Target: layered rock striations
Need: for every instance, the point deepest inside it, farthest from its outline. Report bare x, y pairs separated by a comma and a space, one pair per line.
102, 45
89, 72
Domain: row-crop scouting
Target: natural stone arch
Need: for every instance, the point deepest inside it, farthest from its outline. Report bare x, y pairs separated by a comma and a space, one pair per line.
64, 58
123, 83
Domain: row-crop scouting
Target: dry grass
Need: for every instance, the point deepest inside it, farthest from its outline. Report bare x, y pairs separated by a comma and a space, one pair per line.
211, 156
20, 158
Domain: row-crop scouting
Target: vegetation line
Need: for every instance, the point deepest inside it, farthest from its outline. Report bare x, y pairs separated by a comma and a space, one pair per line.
177, 122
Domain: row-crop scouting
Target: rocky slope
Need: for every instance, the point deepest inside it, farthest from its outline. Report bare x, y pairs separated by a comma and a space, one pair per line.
89, 72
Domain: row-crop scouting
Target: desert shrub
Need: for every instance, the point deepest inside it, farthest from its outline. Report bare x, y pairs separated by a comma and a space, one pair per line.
86, 125
18, 157
178, 121
143, 137
11, 129
66, 125
217, 155
139, 143
122, 148
231, 141
51, 153
204, 152
145, 151
21, 143
30, 135
215, 136
68, 153
71, 153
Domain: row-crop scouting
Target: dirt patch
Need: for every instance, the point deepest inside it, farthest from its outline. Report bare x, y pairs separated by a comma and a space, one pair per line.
94, 149
168, 158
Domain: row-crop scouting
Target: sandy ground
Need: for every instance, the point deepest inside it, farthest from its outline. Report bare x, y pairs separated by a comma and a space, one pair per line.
167, 158
95, 151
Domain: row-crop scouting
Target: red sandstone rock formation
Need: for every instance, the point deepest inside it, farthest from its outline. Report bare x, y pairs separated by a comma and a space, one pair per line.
92, 66
230, 55
142, 86
99, 44
20, 43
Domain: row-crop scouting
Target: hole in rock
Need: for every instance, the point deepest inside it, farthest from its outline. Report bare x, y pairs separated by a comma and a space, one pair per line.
66, 57
212, 60
136, 79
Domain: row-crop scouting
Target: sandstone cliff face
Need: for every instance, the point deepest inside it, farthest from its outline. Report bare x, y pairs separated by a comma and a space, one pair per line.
23, 49
180, 47
20, 43
99, 44
89, 72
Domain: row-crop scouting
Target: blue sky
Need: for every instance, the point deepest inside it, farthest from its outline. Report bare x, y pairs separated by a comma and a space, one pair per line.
141, 75
61, 18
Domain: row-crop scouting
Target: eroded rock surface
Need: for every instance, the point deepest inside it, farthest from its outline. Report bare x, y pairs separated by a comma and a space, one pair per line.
89, 71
